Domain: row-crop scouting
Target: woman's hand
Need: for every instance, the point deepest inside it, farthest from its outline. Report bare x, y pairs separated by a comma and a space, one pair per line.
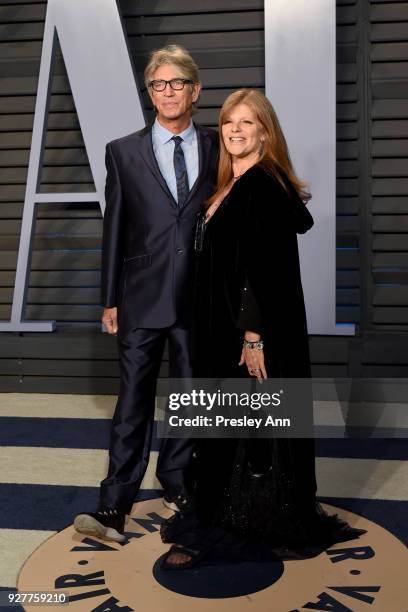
254, 357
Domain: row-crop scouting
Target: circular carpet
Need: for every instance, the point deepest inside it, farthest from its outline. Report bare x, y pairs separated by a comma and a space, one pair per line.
364, 574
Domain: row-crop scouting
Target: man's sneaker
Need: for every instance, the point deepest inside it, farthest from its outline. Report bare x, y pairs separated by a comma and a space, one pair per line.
171, 505
179, 503
106, 523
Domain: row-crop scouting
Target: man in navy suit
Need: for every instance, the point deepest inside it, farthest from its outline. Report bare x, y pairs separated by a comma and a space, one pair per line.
157, 181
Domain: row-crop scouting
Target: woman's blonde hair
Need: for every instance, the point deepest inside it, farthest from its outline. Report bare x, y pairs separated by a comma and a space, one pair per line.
274, 154
177, 56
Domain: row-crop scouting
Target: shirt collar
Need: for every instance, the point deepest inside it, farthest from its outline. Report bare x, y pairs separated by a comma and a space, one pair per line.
164, 135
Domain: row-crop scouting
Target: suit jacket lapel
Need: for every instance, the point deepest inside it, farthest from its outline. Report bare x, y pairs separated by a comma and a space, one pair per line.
149, 157
204, 151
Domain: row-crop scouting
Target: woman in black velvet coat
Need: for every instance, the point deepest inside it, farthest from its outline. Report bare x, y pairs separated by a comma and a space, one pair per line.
250, 321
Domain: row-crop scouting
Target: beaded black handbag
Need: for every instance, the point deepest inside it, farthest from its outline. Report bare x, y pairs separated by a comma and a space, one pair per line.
264, 506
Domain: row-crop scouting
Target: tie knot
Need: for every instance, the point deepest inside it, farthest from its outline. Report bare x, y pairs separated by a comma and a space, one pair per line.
177, 140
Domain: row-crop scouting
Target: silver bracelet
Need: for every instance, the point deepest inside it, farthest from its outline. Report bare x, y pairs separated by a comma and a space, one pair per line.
258, 345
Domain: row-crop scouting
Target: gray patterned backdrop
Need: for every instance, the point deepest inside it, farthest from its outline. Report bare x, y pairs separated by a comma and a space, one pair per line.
226, 39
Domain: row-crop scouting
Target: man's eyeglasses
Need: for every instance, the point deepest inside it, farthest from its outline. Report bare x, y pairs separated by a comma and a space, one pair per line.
177, 84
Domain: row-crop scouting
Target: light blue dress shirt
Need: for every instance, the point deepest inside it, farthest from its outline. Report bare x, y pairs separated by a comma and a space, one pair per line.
163, 147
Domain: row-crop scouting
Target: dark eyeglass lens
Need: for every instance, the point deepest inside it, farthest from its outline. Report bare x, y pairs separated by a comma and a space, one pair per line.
177, 83
160, 85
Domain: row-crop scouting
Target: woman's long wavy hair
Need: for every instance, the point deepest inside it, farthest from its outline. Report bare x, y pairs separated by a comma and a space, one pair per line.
274, 154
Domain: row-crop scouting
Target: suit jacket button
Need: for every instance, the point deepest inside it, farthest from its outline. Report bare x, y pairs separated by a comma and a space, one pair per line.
179, 251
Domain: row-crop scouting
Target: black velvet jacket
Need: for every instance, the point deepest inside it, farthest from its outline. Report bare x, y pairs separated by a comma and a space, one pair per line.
250, 242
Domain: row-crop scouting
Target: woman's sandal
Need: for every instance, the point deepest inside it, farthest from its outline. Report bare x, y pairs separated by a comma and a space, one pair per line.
197, 551
195, 557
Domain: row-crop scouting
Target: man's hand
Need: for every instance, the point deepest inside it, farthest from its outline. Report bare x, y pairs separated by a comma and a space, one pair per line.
110, 320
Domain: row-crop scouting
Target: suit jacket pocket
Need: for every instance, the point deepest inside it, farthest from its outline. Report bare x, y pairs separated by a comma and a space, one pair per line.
139, 261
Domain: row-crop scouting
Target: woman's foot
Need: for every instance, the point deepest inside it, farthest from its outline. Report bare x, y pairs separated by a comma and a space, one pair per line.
181, 557
198, 546
178, 557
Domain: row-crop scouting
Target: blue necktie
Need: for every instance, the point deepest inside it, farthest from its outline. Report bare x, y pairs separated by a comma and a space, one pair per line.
180, 171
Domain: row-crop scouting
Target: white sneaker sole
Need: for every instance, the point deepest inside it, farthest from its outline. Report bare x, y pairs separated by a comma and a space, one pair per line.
171, 505
90, 526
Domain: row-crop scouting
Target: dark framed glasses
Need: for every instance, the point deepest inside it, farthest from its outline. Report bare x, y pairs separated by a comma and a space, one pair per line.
176, 84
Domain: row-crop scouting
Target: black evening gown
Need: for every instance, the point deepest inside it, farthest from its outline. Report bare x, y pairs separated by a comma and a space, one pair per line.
248, 278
